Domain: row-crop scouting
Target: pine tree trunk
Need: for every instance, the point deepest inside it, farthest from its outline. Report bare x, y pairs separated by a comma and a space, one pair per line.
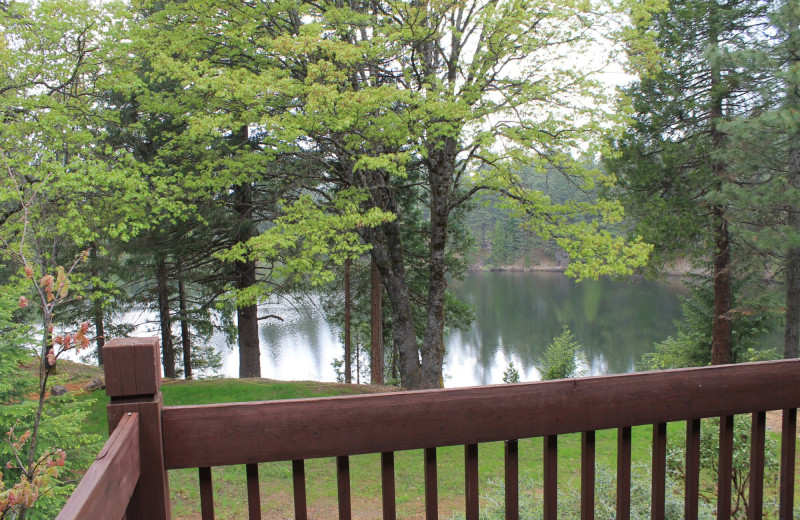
387, 252
247, 316
792, 268
792, 330
348, 377
97, 308
249, 354
249, 351
167, 349
388, 255
376, 329
99, 329
722, 336
186, 340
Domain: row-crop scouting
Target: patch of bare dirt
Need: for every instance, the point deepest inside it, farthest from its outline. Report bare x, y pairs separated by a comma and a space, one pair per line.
74, 376
775, 421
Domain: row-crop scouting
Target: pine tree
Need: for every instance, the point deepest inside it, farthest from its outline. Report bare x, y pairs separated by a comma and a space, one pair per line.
672, 162
766, 149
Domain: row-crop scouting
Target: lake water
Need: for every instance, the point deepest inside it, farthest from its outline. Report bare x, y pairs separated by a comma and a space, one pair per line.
517, 316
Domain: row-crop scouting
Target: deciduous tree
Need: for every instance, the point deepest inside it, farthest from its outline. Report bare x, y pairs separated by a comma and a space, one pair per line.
371, 90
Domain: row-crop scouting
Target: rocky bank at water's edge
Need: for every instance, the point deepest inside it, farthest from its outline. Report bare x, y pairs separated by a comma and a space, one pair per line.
678, 268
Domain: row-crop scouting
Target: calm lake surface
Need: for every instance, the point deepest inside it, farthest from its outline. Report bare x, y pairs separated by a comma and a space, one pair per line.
517, 316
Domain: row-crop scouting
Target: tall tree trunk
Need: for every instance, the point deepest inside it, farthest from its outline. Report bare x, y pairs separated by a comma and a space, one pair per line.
99, 329
791, 336
245, 273
439, 178
792, 330
376, 322
186, 340
722, 335
167, 349
387, 253
388, 256
97, 306
348, 377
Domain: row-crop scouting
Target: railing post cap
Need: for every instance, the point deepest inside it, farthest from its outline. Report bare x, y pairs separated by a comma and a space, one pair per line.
132, 366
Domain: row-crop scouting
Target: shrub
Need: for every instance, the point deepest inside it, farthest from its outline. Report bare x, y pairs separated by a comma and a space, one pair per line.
561, 358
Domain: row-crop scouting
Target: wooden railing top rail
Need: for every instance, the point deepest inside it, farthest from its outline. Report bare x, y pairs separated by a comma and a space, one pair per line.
107, 486
241, 433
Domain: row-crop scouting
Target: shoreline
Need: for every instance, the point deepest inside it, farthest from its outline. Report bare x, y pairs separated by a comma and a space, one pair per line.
544, 268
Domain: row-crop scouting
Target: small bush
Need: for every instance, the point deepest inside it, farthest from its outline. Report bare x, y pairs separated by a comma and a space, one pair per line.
511, 374
561, 358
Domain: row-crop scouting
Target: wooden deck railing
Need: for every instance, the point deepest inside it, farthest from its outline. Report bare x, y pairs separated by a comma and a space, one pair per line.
295, 430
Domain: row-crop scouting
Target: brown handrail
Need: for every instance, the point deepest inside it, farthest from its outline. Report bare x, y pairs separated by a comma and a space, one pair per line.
240, 433
107, 487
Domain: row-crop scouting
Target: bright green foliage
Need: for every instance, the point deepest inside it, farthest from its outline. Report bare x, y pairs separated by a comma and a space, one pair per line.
13, 383
56, 194
61, 190
561, 358
56, 57
369, 92
308, 236
580, 227
403, 113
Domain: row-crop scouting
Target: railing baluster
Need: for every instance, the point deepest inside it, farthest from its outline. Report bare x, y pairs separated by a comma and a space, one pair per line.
659, 469
206, 495
757, 435
624, 473
253, 493
431, 484
692, 491
388, 490
788, 448
550, 477
512, 480
299, 485
725, 467
587, 475
343, 485
471, 481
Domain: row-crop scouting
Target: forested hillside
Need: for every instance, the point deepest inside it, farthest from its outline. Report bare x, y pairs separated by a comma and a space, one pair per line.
500, 238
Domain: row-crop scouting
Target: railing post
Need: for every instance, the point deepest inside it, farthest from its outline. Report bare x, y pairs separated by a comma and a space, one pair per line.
133, 382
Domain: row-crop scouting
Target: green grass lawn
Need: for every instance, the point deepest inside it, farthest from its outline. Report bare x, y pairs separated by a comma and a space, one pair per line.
276, 484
